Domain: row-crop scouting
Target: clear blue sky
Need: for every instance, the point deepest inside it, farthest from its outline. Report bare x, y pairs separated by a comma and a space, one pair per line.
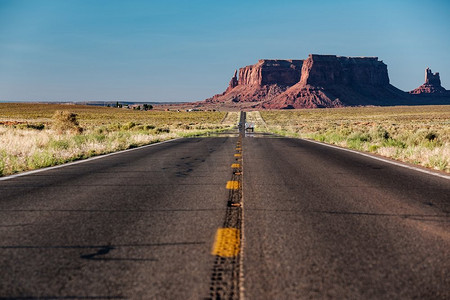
188, 50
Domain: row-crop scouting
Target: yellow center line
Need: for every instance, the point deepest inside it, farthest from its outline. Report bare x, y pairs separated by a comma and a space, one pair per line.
233, 185
235, 166
237, 155
227, 242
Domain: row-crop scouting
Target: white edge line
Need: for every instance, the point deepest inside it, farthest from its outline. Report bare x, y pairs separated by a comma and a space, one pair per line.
381, 159
82, 160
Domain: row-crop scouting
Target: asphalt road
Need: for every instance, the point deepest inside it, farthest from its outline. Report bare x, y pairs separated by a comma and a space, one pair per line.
137, 225
315, 222
326, 223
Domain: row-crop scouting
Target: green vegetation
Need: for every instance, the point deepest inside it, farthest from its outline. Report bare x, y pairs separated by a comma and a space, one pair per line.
416, 134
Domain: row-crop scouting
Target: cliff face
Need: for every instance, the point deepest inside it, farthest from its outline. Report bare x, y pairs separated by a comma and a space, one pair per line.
318, 81
323, 70
259, 82
267, 72
432, 85
333, 81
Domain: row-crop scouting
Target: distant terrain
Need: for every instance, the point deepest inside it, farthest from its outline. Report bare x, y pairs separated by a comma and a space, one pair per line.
98, 102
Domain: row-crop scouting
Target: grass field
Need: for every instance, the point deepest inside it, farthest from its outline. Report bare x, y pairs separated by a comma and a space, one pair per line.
415, 134
32, 137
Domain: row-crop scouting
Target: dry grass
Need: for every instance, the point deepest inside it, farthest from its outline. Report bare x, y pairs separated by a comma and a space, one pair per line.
89, 116
255, 118
231, 118
417, 134
63, 121
39, 135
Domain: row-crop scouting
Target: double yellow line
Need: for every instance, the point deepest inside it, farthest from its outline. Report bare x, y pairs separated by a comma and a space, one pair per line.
228, 240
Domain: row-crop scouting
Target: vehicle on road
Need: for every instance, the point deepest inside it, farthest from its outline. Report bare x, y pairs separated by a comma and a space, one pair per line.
250, 127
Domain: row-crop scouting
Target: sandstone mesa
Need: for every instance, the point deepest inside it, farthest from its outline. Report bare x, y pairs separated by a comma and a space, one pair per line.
321, 81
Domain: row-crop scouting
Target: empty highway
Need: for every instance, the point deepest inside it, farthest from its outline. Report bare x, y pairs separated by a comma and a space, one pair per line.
226, 217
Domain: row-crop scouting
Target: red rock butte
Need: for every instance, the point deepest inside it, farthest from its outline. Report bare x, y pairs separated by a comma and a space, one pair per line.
432, 85
319, 81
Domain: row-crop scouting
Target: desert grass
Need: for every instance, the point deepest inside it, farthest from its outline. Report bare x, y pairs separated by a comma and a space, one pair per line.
255, 118
414, 134
231, 118
38, 135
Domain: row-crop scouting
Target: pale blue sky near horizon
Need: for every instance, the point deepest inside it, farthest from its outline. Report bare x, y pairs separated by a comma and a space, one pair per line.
77, 50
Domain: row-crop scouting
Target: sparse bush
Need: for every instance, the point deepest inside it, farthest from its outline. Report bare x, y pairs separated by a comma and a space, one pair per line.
99, 137
394, 143
318, 137
38, 126
65, 121
80, 139
335, 137
59, 144
162, 130
101, 130
114, 127
129, 125
149, 127
41, 159
381, 133
431, 136
438, 162
359, 137
373, 148
355, 144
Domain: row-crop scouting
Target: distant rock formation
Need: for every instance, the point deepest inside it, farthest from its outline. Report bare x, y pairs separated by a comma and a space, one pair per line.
334, 81
259, 82
432, 85
319, 81
233, 82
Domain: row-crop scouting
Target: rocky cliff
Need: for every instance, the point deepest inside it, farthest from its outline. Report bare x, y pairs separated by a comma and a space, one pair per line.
259, 82
324, 70
334, 81
318, 81
267, 72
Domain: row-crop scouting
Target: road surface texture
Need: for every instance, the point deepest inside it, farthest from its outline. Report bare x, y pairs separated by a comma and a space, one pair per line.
226, 217
324, 223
